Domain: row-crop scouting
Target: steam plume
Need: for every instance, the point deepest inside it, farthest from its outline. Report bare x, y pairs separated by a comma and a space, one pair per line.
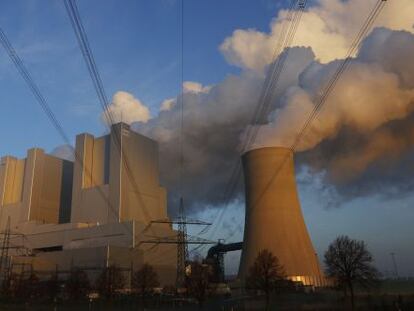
358, 142
126, 108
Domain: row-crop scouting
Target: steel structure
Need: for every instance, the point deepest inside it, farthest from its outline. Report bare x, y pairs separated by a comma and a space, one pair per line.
182, 240
215, 257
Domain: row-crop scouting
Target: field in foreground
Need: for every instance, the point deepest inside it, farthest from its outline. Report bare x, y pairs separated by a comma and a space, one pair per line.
392, 295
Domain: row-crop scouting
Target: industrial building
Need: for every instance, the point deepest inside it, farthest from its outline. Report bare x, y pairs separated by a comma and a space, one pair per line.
99, 209
89, 213
274, 219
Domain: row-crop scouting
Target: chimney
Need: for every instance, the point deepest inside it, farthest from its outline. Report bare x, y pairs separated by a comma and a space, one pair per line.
274, 219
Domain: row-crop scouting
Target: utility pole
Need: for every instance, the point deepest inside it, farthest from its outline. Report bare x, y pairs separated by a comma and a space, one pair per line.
4, 261
394, 262
182, 247
182, 240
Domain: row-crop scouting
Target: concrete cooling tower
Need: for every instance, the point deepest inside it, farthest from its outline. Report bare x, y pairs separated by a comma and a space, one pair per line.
274, 218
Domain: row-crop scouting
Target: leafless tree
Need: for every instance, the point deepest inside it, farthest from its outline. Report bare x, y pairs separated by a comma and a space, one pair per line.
110, 281
144, 280
19, 286
51, 286
29, 287
197, 282
264, 274
349, 262
77, 286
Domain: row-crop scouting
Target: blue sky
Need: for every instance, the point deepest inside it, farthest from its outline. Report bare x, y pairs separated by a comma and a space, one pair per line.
137, 49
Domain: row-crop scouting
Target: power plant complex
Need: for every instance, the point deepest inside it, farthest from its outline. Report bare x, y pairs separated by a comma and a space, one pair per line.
97, 210
88, 214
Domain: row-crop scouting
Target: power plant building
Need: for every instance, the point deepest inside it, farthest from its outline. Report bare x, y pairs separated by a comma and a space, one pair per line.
97, 210
89, 213
274, 219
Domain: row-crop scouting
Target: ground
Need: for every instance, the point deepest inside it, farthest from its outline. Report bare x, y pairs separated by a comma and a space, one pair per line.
391, 295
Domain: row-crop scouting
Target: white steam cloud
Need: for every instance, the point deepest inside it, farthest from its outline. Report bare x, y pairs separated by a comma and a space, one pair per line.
361, 136
64, 152
375, 92
167, 104
126, 108
195, 87
328, 28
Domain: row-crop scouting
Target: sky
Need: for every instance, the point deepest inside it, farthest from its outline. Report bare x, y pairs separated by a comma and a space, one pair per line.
137, 48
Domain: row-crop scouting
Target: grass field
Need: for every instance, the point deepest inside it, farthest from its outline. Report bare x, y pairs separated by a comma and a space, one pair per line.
391, 295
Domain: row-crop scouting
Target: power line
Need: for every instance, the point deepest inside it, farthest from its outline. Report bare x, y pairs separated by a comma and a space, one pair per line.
287, 34
24, 72
32, 85
394, 262
327, 90
236, 172
83, 41
182, 245
320, 101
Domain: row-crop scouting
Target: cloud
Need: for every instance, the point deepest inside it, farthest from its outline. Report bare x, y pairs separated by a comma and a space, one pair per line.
213, 122
65, 152
373, 91
365, 98
214, 119
167, 104
360, 141
363, 138
328, 28
126, 108
195, 87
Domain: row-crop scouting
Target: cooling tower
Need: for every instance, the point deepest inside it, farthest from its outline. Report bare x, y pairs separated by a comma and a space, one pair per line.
274, 218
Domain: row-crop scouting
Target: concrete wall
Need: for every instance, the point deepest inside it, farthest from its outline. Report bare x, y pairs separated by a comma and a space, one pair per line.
142, 198
35, 188
274, 219
92, 261
90, 194
115, 185
90, 212
93, 247
11, 189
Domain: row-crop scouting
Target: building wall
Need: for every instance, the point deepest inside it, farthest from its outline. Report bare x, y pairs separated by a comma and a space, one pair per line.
94, 247
142, 198
115, 185
11, 189
90, 194
66, 192
12, 172
92, 212
92, 261
31, 189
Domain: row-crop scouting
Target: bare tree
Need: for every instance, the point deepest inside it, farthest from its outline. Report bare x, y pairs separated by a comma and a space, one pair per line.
77, 286
22, 287
265, 273
30, 286
198, 281
349, 262
110, 281
51, 286
144, 280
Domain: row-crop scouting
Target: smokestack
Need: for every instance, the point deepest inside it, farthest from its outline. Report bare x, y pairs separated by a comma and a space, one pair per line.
274, 218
